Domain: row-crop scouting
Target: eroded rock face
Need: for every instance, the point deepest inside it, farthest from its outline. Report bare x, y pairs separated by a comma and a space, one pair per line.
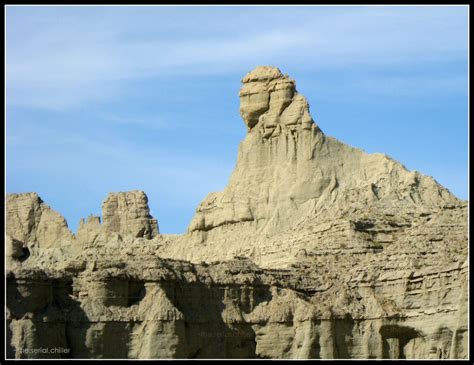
35, 224
147, 307
128, 214
287, 169
36, 231
269, 98
314, 250
15, 252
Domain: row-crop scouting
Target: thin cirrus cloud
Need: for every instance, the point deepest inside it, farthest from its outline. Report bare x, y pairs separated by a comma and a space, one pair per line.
68, 79
84, 58
111, 163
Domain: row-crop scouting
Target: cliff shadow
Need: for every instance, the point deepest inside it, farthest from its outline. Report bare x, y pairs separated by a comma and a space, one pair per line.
213, 322
394, 340
40, 313
343, 337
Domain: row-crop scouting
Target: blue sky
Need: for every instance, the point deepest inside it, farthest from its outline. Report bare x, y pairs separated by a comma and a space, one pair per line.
103, 99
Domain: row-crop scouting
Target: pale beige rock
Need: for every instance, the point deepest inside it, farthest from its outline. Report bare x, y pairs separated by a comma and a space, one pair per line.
15, 252
127, 213
313, 250
124, 214
35, 224
89, 229
287, 171
146, 307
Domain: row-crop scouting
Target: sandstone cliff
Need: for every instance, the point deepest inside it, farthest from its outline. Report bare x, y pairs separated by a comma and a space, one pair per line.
289, 172
124, 214
314, 249
34, 224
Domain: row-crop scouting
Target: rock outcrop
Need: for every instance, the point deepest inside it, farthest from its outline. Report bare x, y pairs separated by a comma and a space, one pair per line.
128, 214
288, 169
124, 214
314, 250
35, 224
105, 306
38, 229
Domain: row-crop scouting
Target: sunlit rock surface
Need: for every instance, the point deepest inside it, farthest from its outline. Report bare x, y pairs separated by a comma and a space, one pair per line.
315, 249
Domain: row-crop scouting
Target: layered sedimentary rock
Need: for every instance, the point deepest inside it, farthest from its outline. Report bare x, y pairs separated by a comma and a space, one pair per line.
288, 169
314, 249
35, 224
124, 214
108, 307
128, 214
34, 229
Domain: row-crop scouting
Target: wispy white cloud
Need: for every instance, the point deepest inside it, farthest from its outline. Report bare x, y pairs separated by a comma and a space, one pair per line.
148, 122
401, 88
81, 57
115, 161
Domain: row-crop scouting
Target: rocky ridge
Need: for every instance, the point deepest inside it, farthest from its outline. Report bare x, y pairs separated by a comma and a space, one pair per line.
314, 249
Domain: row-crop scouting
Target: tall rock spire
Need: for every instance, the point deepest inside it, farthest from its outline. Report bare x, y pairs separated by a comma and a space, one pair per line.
288, 169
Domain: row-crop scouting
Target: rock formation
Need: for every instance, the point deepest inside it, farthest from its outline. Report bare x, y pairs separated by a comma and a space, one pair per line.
288, 169
314, 249
35, 224
124, 214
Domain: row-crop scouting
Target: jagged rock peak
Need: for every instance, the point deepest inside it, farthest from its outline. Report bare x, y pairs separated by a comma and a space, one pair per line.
124, 214
33, 223
33, 227
287, 170
127, 213
269, 100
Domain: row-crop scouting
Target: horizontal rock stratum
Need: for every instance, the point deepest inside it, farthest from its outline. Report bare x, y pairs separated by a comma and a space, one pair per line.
314, 249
